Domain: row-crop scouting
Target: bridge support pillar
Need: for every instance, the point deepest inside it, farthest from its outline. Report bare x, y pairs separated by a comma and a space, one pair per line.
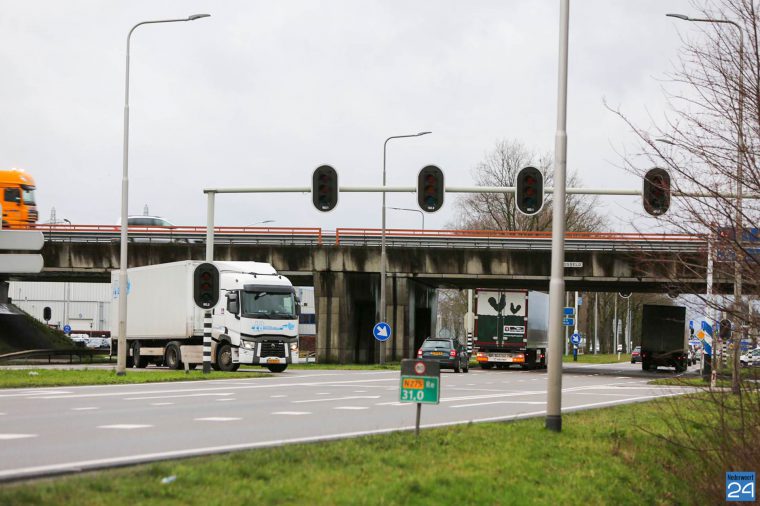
331, 301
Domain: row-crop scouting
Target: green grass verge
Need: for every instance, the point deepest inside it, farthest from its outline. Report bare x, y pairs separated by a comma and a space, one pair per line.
67, 377
394, 366
601, 358
604, 456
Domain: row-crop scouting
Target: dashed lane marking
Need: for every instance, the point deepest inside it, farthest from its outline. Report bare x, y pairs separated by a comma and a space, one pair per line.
349, 398
218, 419
4, 437
84, 408
277, 396
224, 400
293, 413
177, 396
352, 408
161, 403
125, 426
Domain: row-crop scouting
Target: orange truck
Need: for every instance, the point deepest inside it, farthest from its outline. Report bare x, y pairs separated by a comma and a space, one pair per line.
18, 202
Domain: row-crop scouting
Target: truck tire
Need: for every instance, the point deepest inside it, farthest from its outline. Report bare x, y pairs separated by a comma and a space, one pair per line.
277, 367
644, 366
486, 366
172, 357
137, 360
224, 358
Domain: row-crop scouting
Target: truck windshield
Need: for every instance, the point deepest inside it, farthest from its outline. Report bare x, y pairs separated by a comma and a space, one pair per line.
28, 195
274, 306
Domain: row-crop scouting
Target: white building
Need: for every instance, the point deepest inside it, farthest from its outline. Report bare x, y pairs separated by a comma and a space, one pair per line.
82, 306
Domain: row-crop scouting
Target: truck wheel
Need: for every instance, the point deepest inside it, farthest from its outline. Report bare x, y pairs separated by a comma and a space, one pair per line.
137, 360
224, 359
645, 366
277, 367
172, 357
486, 366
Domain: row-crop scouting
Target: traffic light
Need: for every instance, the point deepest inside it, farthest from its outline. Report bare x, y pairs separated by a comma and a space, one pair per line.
206, 285
324, 188
656, 192
47, 313
725, 329
529, 193
430, 189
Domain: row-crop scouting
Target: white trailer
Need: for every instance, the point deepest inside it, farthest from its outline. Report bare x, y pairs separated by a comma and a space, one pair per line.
255, 321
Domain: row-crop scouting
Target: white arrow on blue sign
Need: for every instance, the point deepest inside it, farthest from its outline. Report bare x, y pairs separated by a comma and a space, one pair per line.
382, 331
575, 339
66, 329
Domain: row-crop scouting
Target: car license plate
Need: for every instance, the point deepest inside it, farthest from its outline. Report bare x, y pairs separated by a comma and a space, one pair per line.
437, 353
418, 384
273, 361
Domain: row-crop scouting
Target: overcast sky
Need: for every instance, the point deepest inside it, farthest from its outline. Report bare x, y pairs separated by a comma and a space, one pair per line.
263, 92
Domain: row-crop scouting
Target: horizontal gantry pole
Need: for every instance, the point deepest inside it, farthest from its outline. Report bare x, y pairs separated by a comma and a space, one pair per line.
476, 189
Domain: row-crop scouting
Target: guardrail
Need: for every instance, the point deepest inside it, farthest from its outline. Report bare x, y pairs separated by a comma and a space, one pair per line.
50, 353
475, 239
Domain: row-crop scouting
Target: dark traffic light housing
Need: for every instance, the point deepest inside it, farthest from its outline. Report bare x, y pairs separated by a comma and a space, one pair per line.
206, 285
656, 194
430, 189
725, 329
529, 191
324, 188
47, 314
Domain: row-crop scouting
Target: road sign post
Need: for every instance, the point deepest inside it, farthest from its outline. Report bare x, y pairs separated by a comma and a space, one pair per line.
421, 384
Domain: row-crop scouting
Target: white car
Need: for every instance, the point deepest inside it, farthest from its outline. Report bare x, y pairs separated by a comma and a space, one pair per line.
751, 358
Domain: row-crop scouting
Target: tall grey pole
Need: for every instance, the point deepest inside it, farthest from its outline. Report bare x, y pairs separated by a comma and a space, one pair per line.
557, 281
596, 323
382, 241
210, 197
121, 356
615, 325
739, 230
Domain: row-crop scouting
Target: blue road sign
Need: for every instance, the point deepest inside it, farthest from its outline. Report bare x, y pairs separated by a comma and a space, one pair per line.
691, 324
569, 311
568, 322
575, 339
580, 300
381, 331
67, 329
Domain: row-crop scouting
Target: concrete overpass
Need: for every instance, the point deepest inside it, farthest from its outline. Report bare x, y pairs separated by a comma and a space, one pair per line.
344, 265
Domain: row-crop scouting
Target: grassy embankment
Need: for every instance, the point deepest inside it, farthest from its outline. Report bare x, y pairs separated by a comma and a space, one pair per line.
601, 358
604, 456
69, 377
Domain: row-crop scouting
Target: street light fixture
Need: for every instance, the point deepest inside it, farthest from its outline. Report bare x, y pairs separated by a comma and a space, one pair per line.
739, 235
260, 223
422, 215
382, 240
121, 357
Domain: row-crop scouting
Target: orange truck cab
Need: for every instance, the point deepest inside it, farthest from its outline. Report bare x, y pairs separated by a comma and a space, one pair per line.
17, 199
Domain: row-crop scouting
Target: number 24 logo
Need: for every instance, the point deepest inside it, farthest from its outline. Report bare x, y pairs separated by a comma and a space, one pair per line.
736, 491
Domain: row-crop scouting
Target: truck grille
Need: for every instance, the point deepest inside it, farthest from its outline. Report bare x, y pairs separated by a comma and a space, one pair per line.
272, 349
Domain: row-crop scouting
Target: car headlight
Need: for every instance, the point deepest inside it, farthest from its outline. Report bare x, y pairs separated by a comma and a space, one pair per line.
294, 347
248, 345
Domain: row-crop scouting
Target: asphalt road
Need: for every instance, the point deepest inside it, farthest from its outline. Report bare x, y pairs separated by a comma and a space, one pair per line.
47, 431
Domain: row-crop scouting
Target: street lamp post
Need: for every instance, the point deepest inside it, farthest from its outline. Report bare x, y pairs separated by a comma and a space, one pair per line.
739, 233
260, 223
121, 357
382, 240
557, 281
422, 215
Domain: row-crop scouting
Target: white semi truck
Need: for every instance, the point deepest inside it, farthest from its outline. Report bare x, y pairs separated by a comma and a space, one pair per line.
255, 321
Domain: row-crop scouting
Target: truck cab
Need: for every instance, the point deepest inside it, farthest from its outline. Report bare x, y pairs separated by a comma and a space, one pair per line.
18, 200
257, 322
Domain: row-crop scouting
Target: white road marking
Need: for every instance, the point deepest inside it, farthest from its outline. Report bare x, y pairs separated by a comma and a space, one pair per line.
352, 408
294, 413
161, 403
4, 437
2, 414
325, 393
218, 419
177, 396
360, 391
36, 394
496, 402
85, 408
349, 398
392, 403
224, 400
125, 426
277, 396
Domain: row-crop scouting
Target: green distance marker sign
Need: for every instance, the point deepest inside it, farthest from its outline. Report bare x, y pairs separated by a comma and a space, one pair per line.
420, 381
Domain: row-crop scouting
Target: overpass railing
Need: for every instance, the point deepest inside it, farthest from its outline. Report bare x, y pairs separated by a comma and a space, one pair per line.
182, 234
520, 240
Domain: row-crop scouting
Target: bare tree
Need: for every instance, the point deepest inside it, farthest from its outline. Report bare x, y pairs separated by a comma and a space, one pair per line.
709, 143
496, 211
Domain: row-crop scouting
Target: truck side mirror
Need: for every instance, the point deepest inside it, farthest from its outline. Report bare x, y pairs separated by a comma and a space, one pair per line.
233, 305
